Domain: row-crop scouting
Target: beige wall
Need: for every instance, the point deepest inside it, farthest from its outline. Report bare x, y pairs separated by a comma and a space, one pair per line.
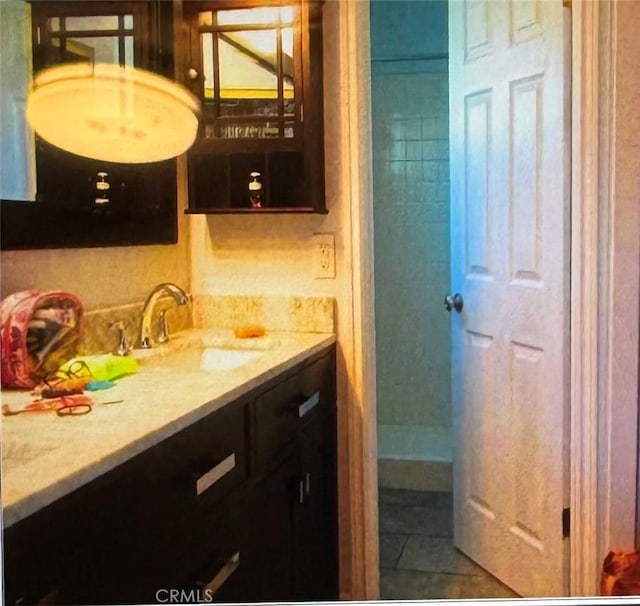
101, 277
273, 254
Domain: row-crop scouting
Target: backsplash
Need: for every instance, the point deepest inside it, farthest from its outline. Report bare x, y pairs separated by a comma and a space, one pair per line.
99, 334
290, 314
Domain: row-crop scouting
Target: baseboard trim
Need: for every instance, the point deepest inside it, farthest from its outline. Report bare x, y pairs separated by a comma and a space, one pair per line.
434, 476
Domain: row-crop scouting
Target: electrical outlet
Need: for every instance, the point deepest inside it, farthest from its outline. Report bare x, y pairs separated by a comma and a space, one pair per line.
324, 255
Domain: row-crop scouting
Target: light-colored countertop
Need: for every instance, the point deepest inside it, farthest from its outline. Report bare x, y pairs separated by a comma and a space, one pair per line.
45, 457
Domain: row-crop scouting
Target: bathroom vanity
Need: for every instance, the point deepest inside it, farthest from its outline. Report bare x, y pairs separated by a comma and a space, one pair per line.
229, 496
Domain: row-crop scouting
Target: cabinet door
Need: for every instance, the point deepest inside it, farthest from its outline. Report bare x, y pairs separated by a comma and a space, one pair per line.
219, 556
315, 564
33, 561
271, 517
295, 506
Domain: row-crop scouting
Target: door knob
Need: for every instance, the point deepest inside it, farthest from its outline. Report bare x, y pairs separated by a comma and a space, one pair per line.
454, 302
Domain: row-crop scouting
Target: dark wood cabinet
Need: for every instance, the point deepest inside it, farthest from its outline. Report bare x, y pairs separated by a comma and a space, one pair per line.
241, 506
257, 69
256, 66
295, 435
315, 525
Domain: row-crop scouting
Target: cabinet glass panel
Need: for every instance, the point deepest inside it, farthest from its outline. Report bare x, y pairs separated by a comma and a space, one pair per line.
73, 39
249, 70
99, 22
257, 16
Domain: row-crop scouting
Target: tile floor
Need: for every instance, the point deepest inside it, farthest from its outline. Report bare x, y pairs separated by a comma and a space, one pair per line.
417, 557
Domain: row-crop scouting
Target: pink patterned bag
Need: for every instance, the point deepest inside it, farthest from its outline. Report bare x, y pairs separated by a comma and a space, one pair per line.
39, 332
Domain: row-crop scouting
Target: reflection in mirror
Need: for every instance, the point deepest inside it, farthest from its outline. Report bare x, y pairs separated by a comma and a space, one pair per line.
51, 198
102, 106
248, 62
94, 38
17, 143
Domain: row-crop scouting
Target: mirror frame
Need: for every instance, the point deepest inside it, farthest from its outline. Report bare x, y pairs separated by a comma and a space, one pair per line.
147, 213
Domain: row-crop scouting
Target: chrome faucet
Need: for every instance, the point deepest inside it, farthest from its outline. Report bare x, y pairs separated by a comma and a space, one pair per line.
166, 288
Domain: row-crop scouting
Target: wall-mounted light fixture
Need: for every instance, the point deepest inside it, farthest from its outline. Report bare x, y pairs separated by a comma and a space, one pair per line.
112, 113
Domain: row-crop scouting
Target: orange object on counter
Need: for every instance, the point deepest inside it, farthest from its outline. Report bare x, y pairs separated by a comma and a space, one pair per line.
249, 331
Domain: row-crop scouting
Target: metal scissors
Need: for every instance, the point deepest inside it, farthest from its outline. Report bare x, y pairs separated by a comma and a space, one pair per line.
68, 405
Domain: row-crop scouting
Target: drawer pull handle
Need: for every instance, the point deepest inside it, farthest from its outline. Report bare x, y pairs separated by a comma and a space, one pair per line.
215, 473
308, 404
229, 567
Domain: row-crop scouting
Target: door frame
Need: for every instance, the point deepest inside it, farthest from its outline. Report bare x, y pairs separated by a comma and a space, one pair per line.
605, 269
604, 335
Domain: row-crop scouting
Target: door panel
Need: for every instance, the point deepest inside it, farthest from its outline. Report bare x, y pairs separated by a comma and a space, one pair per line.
509, 134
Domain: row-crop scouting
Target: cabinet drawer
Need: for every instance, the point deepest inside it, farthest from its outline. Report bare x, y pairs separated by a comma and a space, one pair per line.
186, 475
290, 405
218, 558
210, 456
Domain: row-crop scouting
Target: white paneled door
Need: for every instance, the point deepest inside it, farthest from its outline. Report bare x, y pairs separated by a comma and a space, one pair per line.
510, 183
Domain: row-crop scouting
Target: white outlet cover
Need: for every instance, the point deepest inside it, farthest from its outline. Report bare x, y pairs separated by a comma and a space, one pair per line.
324, 256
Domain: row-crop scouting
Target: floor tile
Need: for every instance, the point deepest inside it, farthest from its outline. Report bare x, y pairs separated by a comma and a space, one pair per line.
413, 585
483, 587
437, 522
436, 554
415, 498
417, 558
391, 546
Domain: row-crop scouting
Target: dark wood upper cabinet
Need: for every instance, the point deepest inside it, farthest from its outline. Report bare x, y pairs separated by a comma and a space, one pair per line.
256, 67
70, 209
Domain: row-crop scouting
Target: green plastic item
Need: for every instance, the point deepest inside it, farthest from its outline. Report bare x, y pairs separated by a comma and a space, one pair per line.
106, 367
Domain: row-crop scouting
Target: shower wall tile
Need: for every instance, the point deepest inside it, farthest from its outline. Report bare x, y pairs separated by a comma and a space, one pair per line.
411, 220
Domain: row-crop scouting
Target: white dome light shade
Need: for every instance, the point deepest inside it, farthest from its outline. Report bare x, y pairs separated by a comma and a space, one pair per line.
112, 113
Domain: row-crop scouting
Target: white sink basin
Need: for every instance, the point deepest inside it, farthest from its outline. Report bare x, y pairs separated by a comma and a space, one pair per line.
200, 358
213, 351
225, 342
213, 358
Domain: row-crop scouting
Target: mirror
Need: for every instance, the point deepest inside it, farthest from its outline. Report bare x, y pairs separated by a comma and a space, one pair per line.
64, 40
51, 198
17, 144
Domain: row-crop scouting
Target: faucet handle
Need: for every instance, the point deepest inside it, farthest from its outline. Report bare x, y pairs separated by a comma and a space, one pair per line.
123, 348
